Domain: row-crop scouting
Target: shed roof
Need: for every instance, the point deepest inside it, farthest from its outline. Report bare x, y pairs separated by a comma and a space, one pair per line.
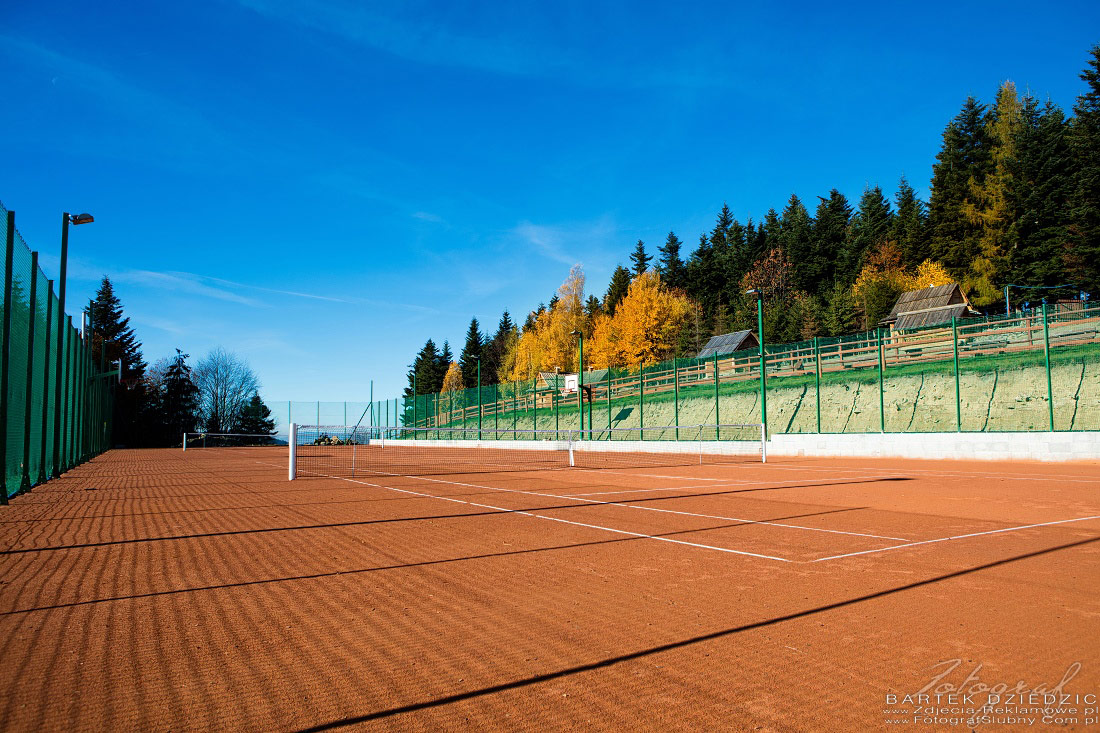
728, 343
929, 306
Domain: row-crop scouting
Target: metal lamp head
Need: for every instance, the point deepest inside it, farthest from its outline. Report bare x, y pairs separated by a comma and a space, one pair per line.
77, 219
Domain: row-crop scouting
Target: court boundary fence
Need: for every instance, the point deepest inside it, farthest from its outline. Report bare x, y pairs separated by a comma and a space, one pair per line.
56, 404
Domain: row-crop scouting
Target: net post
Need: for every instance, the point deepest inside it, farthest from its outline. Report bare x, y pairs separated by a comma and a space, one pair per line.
292, 464
185, 442
572, 459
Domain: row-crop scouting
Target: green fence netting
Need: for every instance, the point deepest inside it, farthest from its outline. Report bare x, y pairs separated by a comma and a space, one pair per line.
45, 431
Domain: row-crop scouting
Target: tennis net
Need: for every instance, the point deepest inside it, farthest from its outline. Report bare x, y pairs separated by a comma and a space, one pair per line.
228, 440
346, 451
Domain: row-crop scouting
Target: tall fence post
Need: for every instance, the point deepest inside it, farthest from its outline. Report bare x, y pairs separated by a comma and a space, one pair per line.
9, 255
609, 402
717, 420
43, 472
676, 397
881, 384
641, 402
25, 481
1046, 354
958, 385
817, 380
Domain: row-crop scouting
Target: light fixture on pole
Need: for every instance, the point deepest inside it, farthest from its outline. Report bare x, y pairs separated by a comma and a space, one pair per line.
59, 398
760, 338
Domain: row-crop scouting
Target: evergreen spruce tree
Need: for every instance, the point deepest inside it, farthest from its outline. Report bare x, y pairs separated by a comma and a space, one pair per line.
113, 339
108, 326
1082, 251
670, 266
493, 353
639, 258
909, 227
963, 161
989, 205
592, 307
1042, 183
616, 291
176, 403
442, 364
256, 418
424, 368
830, 237
870, 227
796, 238
468, 358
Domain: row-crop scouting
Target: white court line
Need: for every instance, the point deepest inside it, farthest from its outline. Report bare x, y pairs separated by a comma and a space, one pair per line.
655, 509
799, 483
957, 537
563, 521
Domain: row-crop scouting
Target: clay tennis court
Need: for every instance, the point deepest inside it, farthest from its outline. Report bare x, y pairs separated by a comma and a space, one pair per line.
163, 590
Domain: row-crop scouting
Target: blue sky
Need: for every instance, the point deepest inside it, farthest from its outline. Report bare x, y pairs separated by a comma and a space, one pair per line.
320, 187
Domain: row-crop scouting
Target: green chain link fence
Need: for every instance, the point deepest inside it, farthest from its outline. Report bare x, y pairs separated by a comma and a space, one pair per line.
41, 441
1030, 371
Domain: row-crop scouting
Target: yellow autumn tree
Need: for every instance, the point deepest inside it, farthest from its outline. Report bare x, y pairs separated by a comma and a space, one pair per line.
551, 343
452, 380
602, 349
929, 273
646, 326
884, 278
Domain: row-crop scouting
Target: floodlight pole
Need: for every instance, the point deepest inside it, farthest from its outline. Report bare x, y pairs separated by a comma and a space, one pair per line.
66, 217
763, 377
478, 358
580, 382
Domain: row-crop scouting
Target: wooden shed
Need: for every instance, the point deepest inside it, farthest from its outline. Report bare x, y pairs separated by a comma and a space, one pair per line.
932, 306
728, 343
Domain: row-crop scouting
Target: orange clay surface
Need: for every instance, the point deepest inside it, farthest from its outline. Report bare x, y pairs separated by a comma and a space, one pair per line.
161, 590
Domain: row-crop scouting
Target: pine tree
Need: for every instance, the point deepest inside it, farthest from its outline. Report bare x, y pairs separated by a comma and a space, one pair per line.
256, 418
640, 258
909, 227
493, 352
839, 316
176, 403
423, 371
616, 291
870, 227
1042, 183
442, 364
1082, 252
989, 205
471, 354
671, 267
113, 339
796, 238
592, 307
963, 160
830, 236
108, 326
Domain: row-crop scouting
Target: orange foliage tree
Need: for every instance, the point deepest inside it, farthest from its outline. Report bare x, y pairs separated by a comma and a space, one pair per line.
645, 328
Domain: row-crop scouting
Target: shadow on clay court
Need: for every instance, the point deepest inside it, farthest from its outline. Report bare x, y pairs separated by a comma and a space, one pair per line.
425, 563
391, 520
611, 661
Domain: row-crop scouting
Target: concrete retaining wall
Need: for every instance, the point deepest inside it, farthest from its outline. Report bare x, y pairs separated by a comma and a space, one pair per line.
1080, 446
